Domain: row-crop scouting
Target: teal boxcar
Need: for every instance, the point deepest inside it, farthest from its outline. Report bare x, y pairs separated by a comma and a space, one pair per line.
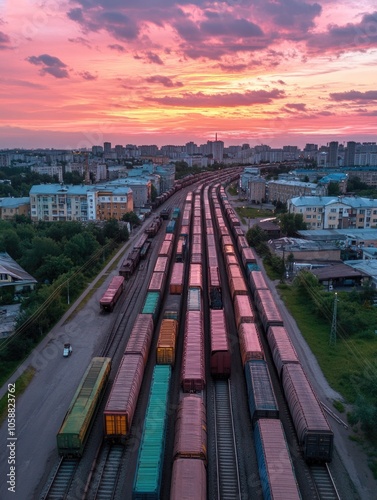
151, 304
75, 428
148, 476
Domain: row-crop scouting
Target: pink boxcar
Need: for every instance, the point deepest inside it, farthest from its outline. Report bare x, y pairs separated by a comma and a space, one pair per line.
268, 310
248, 256
250, 344
161, 265
281, 347
191, 429
157, 282
141, 336
112, 294
196, 276
243, 310
176, 280
257, 281
193, 364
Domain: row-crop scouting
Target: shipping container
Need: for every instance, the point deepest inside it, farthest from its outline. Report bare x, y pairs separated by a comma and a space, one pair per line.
268, 310
274, 462
313, 431
220, 360
250, 344
171, 226
74, 431
148, 476
260, 393
176, 280
151, 304
141, 336
191, 429
238, 286
193, 362
122, 401
281, 347
166, 343
112, 294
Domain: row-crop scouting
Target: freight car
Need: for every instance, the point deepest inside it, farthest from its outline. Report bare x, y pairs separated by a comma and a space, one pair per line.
191, 429
275, 468
193, 365
148, 476
76, 425
141, 336
129, 265
260, 393
281, 347
220, 358
313, 431
112, 294
153, 227
268, 310
121, 404
189, 480
250, 344
152, 304
166, 342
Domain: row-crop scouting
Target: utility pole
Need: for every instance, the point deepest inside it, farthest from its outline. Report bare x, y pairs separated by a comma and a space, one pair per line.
333, 325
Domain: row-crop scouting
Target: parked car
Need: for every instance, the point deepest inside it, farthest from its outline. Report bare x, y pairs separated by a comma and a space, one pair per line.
67, 351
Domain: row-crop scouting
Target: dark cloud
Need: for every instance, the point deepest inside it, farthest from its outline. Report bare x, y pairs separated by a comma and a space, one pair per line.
153, 58
294, 16
117, 47
354, 95
163, 80
88, 76
199, 99
4, 41
81, 41
50, 64
350, 37
299, 106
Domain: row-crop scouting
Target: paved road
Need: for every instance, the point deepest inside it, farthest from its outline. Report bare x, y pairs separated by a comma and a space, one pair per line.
41, 409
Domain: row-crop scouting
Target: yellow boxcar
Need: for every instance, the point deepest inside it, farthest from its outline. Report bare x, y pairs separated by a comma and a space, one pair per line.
166, 342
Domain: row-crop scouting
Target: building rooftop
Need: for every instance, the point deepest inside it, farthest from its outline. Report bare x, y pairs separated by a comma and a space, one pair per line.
339, 234
13, 202
352, 201
76, 190
337, 271
10, 267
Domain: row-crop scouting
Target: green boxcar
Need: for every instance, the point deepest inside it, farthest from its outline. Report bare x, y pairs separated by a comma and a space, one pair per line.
74, 430
148, 476
151, 304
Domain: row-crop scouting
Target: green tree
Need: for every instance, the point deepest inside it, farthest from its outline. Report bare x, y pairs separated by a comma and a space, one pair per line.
132, 218
80, 247
333, 189
53, 267
291, 223
10, 242
153, 193
34, 257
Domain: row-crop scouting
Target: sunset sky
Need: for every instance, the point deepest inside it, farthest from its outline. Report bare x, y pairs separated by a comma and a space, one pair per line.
77, 73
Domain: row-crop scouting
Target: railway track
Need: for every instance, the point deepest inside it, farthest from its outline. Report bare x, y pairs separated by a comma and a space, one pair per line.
324, 482
106, 477
228, 481
61, 480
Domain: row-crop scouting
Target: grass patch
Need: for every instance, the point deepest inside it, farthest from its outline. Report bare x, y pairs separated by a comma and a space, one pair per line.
338, 405
21, 384
253, 213
232, 190
341, 364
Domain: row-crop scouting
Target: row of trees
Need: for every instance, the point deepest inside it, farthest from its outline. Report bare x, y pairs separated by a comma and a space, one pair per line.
63, 257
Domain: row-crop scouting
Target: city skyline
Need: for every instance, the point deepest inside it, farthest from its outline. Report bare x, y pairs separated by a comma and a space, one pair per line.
80, 73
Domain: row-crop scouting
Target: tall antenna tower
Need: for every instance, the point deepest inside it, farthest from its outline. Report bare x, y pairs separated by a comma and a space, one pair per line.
333, 324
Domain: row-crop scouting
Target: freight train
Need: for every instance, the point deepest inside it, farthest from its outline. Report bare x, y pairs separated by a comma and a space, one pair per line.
313, 431
112, 294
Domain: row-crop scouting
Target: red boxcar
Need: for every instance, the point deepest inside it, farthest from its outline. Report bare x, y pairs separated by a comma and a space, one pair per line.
166, 249
281, 347
121, 404
162, 264
112, 294
157, 282
248, 256
313, 431
193, 364
191, 429
220, 361
196, 276
257, 281
243, 310
189, 480
176, 280
250, 344
141, 336
268, 311
238, 286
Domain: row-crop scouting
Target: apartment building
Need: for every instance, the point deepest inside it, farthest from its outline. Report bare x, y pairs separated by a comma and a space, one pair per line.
283, 190
58, 202
342, 212
9, 207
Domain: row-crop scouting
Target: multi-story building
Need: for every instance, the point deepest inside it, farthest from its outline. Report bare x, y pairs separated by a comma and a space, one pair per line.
349, 159
283, 190
141, 189
341, 212
58, 202
256, 189
9, 207
49, 170
333, 154
365, 174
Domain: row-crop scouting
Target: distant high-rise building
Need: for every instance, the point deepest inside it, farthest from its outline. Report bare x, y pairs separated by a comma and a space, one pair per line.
191, 148
107, 147
333, 154
97, 150
120, 151
218, 150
